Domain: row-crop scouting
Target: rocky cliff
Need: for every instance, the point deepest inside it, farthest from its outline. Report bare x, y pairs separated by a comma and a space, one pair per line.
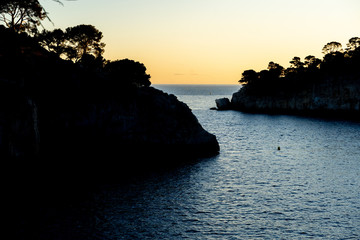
64, 115
147, 123
333, 96
55, 153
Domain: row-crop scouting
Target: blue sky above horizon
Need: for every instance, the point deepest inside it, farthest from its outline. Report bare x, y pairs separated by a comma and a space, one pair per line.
210, 41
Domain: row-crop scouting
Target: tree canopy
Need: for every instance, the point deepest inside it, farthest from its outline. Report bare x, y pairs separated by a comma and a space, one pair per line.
275, 69
88, 70
85, 39
128, 73
248, 77
312, 62
74, 43
301, 73
22, 15
296, 62
353, 44
53, 41
332, 47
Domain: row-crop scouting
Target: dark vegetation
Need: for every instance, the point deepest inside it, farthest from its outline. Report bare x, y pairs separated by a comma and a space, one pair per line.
47, 78
75, 43
51, 62
70, 121
42, 74
22, 15
56, 75
279, 81
34, 80
59, 96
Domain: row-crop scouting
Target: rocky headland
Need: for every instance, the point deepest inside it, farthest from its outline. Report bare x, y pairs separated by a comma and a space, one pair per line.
326, 99
76, 117
323, 88
68, 127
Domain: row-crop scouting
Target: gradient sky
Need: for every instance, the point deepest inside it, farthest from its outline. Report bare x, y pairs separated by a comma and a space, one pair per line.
210, 41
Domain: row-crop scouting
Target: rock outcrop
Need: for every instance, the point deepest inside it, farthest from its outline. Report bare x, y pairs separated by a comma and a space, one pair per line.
335, 97
223, 104
56, 114
147, 123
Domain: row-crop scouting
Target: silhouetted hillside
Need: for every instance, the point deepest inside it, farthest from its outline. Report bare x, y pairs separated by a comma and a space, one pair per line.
57, 110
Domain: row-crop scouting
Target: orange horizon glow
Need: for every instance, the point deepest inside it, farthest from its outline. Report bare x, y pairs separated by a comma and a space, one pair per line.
211, 41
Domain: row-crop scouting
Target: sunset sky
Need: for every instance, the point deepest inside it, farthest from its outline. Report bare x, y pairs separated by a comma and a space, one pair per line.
210, 41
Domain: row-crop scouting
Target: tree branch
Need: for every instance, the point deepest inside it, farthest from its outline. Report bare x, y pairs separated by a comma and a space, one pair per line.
4, 20
21, 16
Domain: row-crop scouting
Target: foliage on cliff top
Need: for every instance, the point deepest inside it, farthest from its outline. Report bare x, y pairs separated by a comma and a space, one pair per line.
302, 74
31, 69
39, 62
22, 15
74, 43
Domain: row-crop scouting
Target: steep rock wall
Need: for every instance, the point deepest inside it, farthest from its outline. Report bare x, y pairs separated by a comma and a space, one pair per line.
331, 97
148, 123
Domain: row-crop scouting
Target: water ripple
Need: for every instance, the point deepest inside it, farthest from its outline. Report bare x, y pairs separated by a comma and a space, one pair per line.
307, 190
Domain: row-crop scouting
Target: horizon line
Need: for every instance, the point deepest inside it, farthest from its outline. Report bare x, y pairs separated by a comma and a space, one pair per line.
193, 84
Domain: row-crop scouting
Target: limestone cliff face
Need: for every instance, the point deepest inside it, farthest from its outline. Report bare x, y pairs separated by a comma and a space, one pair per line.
332, 96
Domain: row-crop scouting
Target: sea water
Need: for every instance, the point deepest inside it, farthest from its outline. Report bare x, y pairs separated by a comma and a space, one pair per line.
309, 189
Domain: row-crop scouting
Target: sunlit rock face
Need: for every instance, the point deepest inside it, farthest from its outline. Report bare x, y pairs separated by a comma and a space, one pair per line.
334, 97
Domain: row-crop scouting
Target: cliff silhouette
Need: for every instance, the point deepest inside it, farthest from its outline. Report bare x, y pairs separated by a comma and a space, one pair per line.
326, 88
89, 117
71, 121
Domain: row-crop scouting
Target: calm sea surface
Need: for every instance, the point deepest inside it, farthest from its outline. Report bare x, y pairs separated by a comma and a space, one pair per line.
310, 189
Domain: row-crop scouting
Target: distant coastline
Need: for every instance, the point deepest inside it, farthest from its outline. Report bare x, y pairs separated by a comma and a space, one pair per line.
327, 88
199, 89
